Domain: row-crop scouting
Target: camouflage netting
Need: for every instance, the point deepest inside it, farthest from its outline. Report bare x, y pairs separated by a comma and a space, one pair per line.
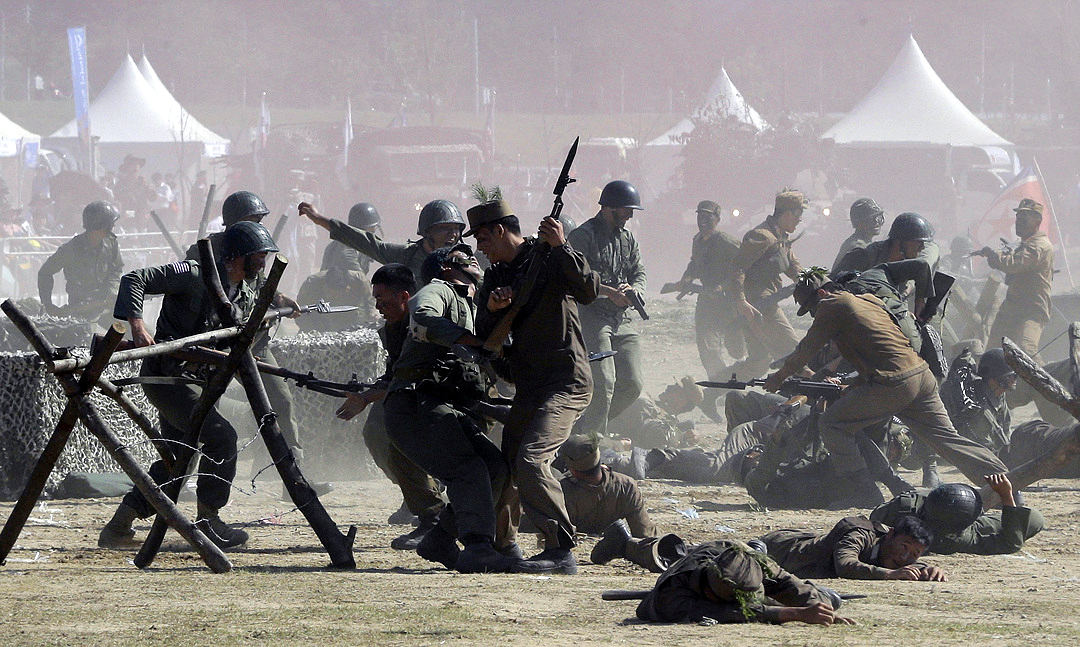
333, 448
32, 401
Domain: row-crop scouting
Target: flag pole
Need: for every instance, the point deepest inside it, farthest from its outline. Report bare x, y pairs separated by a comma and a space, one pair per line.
1057, 225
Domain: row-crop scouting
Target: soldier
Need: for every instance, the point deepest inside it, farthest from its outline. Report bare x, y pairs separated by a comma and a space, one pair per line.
655, 423
342, 277
866, 218
604, 502
715, 316
893, 380
727, 581
910, 236
440, 225
856, 549
612, 251
765, 255
1028, 271
975, 398
954, 513
426, 416
245, 206
393, 285
91, 264
547, 361
186, 310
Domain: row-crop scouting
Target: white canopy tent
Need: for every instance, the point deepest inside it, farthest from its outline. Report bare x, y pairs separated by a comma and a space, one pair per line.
13, 137
181, 121
912, 106
723, 98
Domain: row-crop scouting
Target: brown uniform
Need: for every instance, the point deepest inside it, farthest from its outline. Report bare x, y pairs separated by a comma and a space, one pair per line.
1026, 309
850, 550
894, 381
550, 370
715, 317
593, 508
764, 256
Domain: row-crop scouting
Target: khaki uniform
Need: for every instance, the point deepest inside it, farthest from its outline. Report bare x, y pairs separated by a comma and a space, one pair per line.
894, 381
593, 508
764, 256
552, 377
995, 532
617, 382
715, 316
91, 273
186, 310
1034, 439
850, 550
682, 593
1026, 309
645, 423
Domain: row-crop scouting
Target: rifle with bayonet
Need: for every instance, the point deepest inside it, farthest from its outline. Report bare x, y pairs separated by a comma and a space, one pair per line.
791, 387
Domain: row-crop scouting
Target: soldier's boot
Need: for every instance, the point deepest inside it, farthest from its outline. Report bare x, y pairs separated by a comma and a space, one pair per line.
118, 532
480, 556
402, 517
930, 477
552, 561
861, 491
411, 539
513, 550
222, 534
613, 545
439, 546
708, 407
655, 554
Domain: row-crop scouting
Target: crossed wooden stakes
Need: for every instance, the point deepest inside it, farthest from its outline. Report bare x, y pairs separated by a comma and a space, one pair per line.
239, 362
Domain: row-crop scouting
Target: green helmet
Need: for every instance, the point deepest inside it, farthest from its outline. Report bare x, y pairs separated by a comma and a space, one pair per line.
99, 215
620, 194
364, 215
241, 206
246, 238
438, 212
911, 226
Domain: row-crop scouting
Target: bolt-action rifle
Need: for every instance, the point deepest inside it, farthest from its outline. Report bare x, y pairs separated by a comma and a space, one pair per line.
791, 387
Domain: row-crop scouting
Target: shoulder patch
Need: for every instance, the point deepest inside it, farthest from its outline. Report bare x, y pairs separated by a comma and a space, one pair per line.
180, 267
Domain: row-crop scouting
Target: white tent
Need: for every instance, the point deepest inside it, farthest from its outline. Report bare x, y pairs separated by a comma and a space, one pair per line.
723, 98
912, 106
13, 137
180, 119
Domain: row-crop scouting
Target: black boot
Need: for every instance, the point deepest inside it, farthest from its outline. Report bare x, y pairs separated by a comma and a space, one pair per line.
930, 477
439, 546
557, 561
222, 534
613, 544
118, 533
411, 539
481, 557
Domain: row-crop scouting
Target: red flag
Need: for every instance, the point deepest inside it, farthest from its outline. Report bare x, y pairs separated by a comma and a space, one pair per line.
999, 220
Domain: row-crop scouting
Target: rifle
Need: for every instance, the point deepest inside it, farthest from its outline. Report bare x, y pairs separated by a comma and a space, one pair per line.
501, 332
791, 387
638, 302
683, 290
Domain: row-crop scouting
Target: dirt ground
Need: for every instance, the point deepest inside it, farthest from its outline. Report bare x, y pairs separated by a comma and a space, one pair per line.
59, 588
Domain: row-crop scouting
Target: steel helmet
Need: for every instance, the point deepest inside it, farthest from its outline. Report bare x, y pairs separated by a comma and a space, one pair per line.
246, 238
241, 206
568, 224
951, 507
992, 364
865, 210
911, 226
438, 212
364, 215
99, 215
620, 194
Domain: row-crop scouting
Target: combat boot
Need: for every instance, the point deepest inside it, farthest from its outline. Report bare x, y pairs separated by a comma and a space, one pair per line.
552, 561
411, 539
118, 533
222, 534
613, 544
402, 517
513, 550
832, 596
481, 557
930, 477
439, 546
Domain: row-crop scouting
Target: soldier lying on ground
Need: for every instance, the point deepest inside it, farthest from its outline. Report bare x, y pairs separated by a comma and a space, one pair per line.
652, 422
857, 549
727, 582
954, 512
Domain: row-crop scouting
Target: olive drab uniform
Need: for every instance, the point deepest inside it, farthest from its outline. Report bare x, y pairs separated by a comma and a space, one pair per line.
617, 382
887, 280
593, 508
186, 310
411, 255
341, 281
877, 252
1026, 309
764, 256
91, 274
994, 532
1034, 439
849, 550
974, 410
425, 412
857, 240
715, 315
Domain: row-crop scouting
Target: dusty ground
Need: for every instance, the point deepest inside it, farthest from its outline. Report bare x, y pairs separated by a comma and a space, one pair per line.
59, 588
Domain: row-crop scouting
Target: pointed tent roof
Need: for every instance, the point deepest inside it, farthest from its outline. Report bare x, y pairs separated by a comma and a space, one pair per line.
11, 134
912, 105
181, 119
723, 98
